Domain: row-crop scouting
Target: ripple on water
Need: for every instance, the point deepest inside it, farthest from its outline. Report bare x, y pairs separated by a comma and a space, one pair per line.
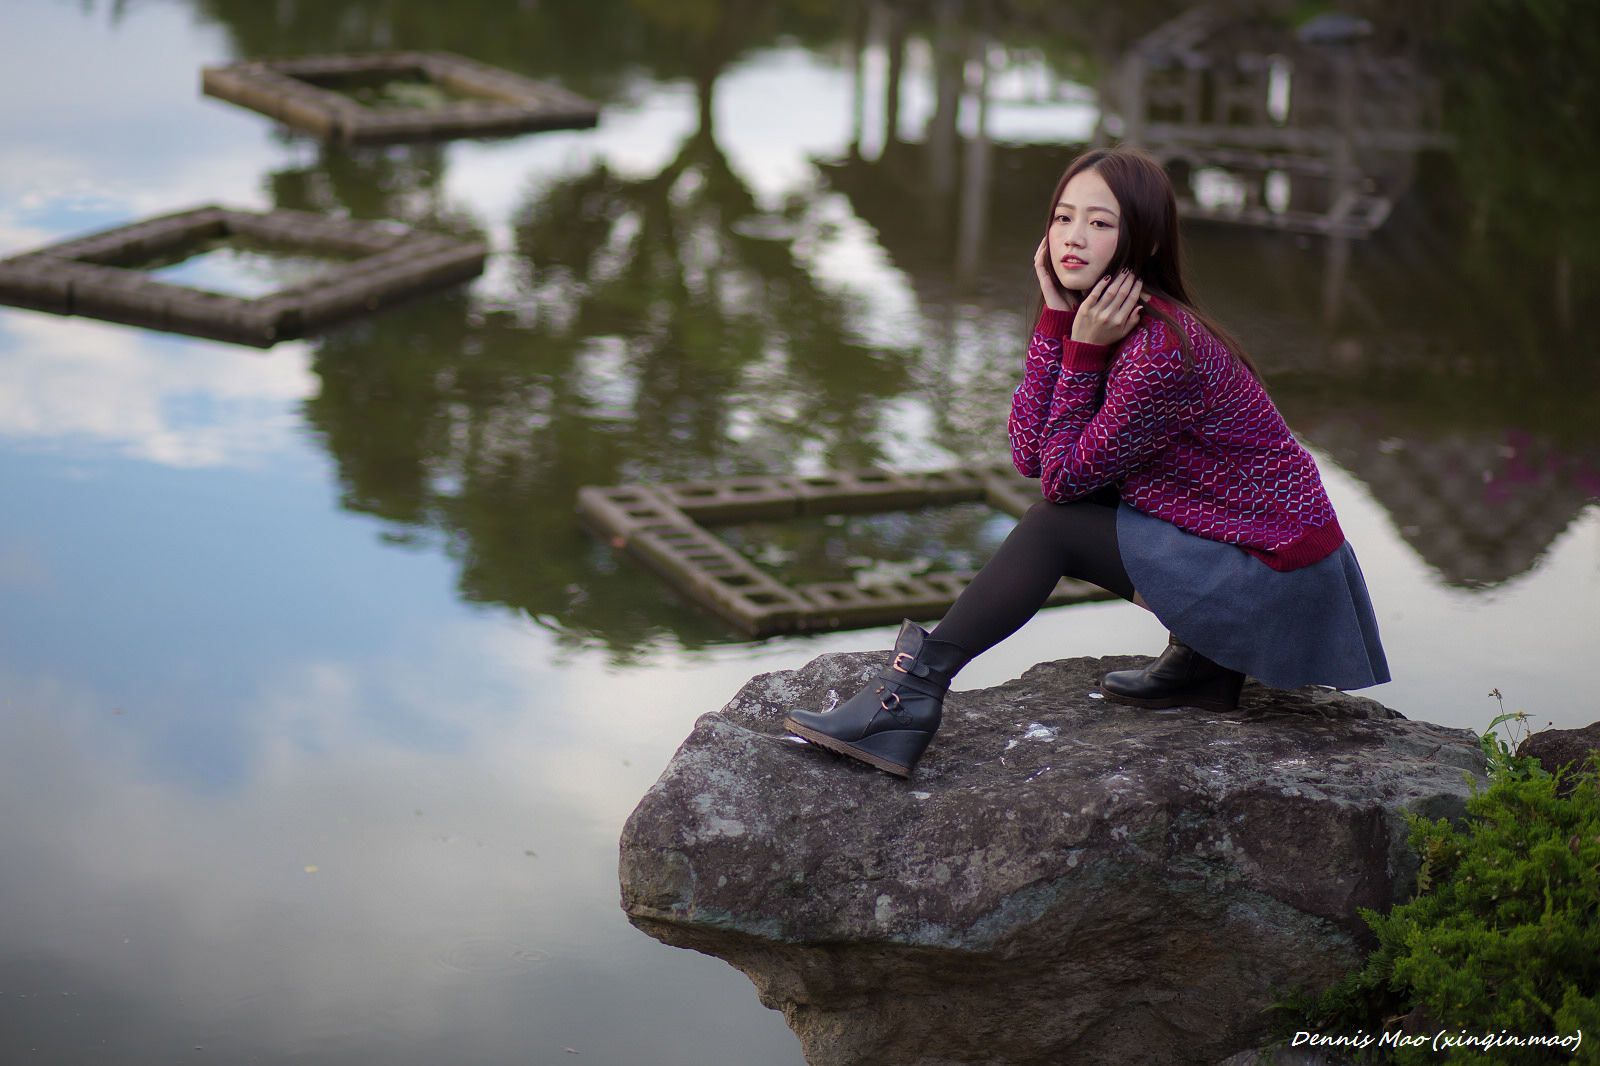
487, 956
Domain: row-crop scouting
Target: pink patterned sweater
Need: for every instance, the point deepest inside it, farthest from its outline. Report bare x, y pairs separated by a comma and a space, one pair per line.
1200, 446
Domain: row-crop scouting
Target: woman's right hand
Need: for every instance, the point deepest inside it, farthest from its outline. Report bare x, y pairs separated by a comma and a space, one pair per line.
1110, 311
1054, 297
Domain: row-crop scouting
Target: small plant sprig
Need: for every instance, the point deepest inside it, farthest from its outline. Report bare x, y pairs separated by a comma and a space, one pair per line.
1504, 762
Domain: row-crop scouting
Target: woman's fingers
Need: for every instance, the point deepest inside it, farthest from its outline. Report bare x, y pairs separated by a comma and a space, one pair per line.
1106, 294
1042, 267
1111, 309
1049, 287
1094, 300
1127, 296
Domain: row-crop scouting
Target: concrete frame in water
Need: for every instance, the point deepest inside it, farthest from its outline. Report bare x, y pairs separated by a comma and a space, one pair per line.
504, 102
664, 527
97, 276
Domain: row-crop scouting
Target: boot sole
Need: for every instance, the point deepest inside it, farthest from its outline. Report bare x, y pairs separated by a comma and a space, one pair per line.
844, 747
1163, 702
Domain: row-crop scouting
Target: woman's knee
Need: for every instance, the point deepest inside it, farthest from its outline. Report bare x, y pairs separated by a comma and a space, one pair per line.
1080, 539
1045, 523
1068, 518
1039, 512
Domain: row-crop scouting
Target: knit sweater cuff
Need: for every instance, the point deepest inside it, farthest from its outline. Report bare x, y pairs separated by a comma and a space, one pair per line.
1053, 323
1077, 356
1312, 546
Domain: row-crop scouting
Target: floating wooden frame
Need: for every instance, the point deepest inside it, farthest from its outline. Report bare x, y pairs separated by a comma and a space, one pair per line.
97, 276
298, 93
665, 527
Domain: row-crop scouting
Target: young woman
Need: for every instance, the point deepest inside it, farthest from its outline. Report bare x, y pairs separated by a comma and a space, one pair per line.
1168, 477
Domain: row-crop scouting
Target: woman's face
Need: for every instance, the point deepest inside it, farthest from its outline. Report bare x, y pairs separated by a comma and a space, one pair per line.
1083, 231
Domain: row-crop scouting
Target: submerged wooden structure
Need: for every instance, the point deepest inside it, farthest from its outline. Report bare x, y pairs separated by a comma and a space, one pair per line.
303, 92
99, 276
666, 528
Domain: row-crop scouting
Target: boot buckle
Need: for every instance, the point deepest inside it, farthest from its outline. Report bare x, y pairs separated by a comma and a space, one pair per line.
891, 702
908, 657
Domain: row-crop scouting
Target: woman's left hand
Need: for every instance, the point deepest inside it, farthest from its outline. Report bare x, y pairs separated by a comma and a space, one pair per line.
1110, 311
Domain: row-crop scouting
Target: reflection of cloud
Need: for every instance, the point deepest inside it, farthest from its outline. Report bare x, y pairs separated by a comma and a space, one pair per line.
86, 60
842, 252
165, 399
460, 809
143, 139
24, 566
775, 158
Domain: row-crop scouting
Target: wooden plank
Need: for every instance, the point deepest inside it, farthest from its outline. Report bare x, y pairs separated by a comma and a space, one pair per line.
97, 275
847, 605
847, 491
714, 575
736, 499
36, 282
619, 512
1006, 490
296, 92
661, 526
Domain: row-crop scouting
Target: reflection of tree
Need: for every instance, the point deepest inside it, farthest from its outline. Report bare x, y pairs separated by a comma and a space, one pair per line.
1523, 84
663, 328
596, 47
681, 271
403, 183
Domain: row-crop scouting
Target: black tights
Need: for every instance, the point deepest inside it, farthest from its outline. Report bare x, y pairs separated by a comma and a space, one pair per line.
1053, 540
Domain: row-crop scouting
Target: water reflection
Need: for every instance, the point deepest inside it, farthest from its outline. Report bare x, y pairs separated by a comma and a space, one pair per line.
661, 328
680, 322
1480, 506
1306, 130
155, 398
395, 901
674, 323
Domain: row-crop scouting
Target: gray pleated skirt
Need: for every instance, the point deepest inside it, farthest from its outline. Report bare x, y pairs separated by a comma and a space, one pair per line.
1311, 626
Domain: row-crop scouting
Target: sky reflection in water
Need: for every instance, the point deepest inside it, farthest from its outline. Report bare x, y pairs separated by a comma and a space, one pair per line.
283, 783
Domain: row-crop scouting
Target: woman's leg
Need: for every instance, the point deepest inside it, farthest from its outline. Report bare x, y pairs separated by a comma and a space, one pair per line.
889, 723
1053, 540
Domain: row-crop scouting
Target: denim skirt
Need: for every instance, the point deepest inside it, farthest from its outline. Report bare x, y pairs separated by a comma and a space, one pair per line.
1285, 628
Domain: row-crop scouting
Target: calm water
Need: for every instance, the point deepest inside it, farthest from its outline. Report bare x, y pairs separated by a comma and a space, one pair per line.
319, 717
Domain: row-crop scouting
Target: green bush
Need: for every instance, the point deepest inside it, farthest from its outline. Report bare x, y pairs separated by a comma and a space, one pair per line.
1503, 936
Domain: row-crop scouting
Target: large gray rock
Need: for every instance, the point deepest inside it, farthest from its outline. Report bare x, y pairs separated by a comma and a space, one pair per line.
1063, 880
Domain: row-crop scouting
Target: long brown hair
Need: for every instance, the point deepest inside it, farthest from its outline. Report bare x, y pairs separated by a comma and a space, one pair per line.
1147, 238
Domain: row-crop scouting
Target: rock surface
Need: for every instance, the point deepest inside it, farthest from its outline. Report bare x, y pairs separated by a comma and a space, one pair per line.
1557, 748
1063, 880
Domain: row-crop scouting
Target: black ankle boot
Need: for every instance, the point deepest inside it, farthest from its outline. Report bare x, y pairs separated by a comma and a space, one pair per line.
889, 723
1181, 677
